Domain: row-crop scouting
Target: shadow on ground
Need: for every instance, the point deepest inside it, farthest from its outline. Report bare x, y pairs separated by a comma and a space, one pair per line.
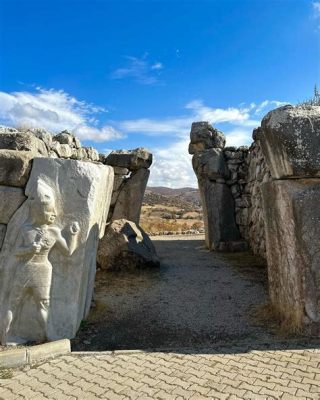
197, 301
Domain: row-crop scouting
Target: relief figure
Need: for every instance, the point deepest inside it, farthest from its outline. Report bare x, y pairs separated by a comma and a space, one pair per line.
32, 269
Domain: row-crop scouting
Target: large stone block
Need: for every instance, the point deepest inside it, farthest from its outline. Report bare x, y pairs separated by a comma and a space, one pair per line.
131, 159
290, 141
48, 259
23, 141
210, 163
218, 214
126, 247
15, 167
292, 221
11, 199
129, 201
203, 136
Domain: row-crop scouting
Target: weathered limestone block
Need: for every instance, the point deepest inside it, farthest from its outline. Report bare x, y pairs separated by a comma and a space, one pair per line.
15, 167
68, 138
126, 247
43, 135
131, 159
23, 141
218, 213
129, 201
48, 258
292, 218
3, 229
203, 136
210, 163
92, 154
290, 140
11, 199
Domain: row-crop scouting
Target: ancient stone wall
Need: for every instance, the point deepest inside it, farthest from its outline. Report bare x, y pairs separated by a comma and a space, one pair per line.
275, 187
248, 170
18, 148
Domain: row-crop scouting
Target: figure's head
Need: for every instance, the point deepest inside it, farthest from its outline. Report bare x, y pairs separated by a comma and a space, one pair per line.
49, 213
42, 207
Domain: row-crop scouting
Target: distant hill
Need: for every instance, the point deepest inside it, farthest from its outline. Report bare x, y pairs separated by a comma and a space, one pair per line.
171, 211
185, 197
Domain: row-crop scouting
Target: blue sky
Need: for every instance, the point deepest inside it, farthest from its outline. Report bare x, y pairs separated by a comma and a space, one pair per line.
124, 74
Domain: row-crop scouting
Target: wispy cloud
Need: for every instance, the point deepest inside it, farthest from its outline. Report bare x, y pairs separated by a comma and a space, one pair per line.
172, 165
316, 9
55, 110
244, 116
141, 70
316, 14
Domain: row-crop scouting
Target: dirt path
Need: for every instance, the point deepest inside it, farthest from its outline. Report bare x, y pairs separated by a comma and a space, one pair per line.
196, 298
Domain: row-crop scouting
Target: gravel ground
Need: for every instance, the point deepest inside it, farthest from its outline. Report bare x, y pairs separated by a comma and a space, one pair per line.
195, 298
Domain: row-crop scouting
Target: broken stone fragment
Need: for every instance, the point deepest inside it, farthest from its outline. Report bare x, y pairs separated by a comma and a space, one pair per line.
131, 159
290, 140
66, 137
203, 136
15, 167
126, 247
11, 199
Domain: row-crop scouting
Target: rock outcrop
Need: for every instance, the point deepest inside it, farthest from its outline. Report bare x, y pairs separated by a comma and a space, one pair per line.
126, 247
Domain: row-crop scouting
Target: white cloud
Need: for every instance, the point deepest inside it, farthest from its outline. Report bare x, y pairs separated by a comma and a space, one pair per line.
172, 166
242, 116
55, 111
157, 65
316, 9
141, 70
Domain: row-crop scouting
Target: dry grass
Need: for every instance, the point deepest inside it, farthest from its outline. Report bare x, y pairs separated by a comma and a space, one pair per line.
5, 373
277, 321
159, 218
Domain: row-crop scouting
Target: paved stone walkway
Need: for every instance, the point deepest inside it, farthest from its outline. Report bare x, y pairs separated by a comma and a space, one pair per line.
221, 373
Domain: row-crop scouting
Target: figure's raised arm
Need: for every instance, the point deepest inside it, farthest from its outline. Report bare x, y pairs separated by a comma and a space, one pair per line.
65, 247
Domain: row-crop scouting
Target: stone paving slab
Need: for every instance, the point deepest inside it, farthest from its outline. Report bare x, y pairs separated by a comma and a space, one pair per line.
219, 373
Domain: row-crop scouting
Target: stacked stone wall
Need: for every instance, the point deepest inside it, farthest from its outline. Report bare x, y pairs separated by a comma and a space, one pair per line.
248, 171
275, 186
18, 148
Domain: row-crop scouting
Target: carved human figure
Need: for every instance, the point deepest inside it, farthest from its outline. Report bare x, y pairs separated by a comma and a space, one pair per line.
33, 270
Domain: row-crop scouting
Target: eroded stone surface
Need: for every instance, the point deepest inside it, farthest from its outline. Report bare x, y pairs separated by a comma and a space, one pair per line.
45, 293
211, 164
24, 141
3, 229
11, 199
131, 159
292, 220
129, 200
218, 213
15, 167
203, 136
290, 139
